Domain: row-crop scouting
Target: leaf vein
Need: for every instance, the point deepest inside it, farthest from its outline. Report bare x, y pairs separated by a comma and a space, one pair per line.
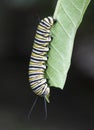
75, 6
52, 67
62, 26
57, 51
68, 15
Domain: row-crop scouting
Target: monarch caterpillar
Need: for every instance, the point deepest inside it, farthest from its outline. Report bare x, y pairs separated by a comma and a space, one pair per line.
37, 64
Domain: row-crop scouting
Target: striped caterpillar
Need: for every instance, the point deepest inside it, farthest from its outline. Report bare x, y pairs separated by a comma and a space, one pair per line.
37, 64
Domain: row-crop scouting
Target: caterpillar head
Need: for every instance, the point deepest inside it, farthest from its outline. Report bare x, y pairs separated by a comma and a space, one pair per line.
47, 22
50, 20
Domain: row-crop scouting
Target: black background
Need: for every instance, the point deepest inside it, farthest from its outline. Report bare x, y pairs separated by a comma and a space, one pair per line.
70, 109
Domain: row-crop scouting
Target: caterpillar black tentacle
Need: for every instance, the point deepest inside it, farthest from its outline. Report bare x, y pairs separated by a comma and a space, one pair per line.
38, 59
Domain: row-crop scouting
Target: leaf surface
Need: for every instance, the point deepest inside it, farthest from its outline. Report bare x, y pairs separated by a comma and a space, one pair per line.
69, 14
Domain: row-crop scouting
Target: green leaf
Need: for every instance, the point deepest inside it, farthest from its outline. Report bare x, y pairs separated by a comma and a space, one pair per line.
69, 14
